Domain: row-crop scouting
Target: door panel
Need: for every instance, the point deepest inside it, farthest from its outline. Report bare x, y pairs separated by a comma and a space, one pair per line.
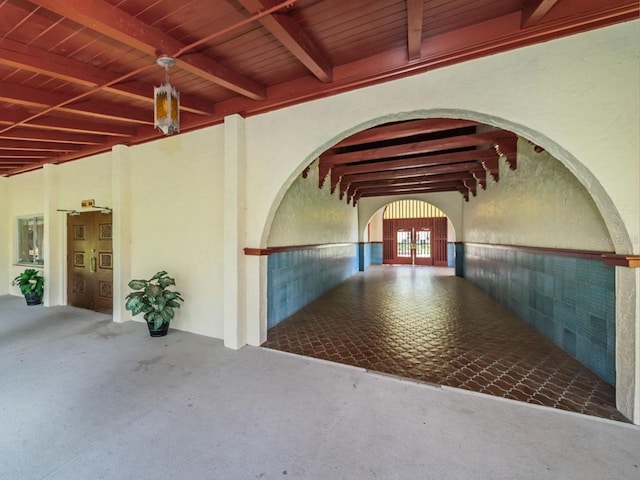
415, 241
90, 261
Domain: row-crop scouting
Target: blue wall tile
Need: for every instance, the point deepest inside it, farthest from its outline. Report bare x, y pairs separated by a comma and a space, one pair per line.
570, 300
376, 253
297, 277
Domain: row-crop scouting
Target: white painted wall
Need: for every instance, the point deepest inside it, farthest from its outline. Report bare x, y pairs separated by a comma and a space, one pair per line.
540, 204
310, 215
177, 209
25, 197
449, 202
577, 97
374, 227
5, 238
85, 180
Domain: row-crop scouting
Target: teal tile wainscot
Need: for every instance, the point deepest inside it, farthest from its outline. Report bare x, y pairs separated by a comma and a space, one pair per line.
299, 275
569, 298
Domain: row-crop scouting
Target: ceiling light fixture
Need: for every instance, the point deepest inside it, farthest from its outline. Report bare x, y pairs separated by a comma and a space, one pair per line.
166, 107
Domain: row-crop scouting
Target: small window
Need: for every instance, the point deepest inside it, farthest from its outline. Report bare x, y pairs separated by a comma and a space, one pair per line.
31, 240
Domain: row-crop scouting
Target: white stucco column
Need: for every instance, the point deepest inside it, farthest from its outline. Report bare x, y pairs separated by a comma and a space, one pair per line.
54, 247
256, 284
5, 241
234, 232
121, 224
627, 311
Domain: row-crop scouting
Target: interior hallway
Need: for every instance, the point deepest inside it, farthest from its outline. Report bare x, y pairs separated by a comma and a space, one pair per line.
82, 397
428, 325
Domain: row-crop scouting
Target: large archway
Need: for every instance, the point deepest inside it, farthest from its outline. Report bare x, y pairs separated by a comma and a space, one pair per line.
625, 283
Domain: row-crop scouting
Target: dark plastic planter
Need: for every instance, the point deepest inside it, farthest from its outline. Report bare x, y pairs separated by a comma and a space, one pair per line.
32, 298
158, 332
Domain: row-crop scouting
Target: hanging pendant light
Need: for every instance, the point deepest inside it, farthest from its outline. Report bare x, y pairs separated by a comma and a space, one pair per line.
166, 101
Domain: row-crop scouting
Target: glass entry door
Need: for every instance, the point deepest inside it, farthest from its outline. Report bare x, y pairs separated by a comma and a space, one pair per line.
413, 246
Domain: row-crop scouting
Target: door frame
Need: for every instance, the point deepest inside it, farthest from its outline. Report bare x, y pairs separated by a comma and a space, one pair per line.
67, 252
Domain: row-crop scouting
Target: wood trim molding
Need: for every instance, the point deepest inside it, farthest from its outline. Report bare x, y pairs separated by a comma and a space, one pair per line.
629, 261
289, 248
563, 252
257, 251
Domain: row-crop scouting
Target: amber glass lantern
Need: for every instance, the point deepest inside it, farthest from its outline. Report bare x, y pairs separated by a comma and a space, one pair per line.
166, 102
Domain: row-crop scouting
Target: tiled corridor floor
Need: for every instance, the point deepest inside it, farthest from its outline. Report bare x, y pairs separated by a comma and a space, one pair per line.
428, 325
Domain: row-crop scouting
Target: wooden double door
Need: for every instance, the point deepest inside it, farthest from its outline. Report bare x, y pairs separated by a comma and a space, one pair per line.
90, 261
415, 241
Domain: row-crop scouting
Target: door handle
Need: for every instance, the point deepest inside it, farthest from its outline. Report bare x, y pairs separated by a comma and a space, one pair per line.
92, 265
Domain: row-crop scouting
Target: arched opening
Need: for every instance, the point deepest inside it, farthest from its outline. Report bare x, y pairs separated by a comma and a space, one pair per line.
596, 195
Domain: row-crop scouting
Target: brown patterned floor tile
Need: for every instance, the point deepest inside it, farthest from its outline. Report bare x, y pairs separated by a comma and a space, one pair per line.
426, 324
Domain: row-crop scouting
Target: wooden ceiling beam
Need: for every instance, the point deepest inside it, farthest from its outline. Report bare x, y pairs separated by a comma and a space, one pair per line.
390, 165
33, 97
87, 127
26, 155
59, 124
28, 146
415, 180
403, 130
493, 36
446, 186
447, 143
32, 133
420, 161
101, 17
466, 167
291, 35
17, 55
415, 9
534, 10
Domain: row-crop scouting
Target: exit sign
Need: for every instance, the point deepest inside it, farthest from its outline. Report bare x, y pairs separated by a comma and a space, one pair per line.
88, 203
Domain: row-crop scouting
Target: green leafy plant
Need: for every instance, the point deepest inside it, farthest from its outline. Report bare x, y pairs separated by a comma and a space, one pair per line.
30, 281
154, 299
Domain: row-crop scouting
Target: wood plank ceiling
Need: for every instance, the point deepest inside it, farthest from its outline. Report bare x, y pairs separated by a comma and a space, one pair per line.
77, 76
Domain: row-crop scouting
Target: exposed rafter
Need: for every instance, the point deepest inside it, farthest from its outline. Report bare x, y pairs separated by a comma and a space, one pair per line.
534, 10
108, 20
293, 38
77, 75
415, 10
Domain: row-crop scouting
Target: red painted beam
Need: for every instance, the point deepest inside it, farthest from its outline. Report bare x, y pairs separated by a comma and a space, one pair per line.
29, 146
466, 167
404, 129
421, 161
415, 10
427, 146
33, 97
293, 38
14, 54
112, 22
534, 10
31, 133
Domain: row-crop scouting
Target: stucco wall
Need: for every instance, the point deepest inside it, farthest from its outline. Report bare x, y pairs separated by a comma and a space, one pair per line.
310, 215
540, 204
5, 239
577, 97
83, 180
24, 197
177, 205
449, 202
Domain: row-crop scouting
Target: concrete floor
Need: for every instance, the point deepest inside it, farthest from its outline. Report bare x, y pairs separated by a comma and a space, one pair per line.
84, 398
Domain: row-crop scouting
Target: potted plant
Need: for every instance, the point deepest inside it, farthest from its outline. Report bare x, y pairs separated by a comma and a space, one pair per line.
155, 300
31, 285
